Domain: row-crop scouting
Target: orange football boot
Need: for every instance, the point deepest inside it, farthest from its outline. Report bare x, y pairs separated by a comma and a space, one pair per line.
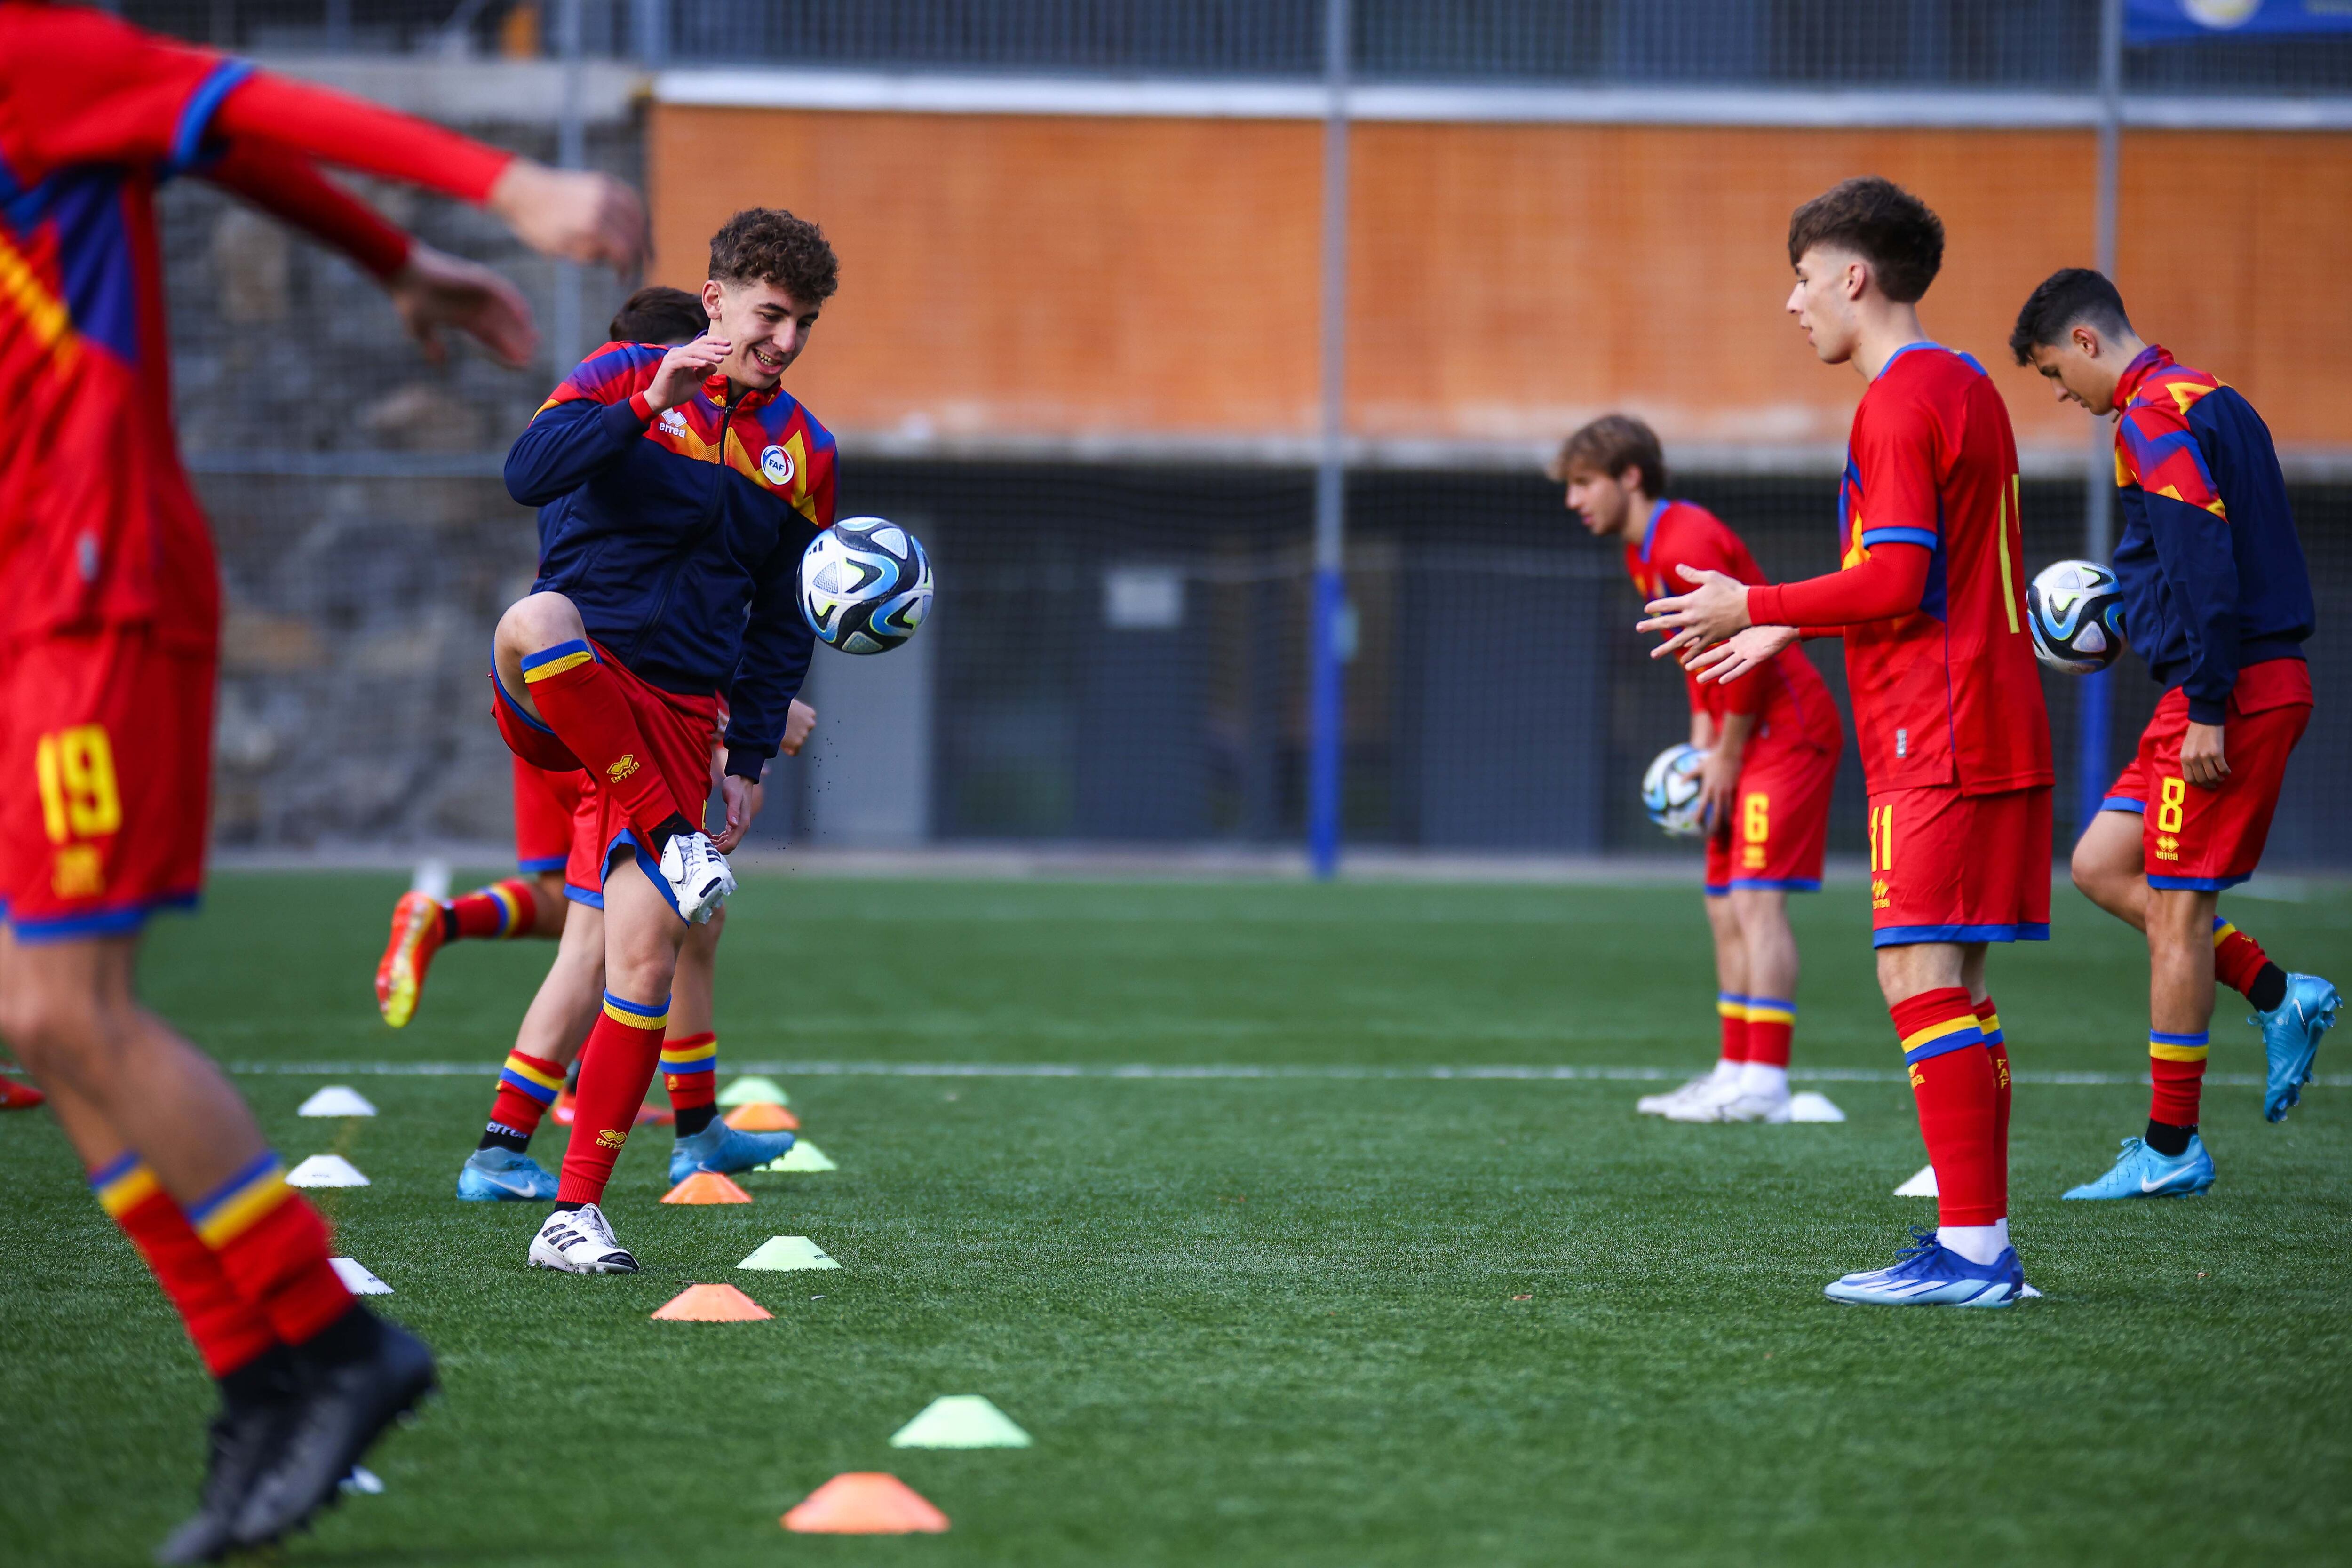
400, 977
14, 1096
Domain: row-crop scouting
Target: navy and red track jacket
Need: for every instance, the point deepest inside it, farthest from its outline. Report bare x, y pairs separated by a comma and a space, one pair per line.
680, 538
2213, 573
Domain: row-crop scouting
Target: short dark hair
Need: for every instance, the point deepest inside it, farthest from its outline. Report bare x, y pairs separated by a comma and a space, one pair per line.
660, 314
769, 245
1610, 445
1881, 222
2069, 296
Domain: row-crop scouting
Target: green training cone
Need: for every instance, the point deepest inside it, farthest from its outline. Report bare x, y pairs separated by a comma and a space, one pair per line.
780, 1252
802, 1156
752, 1091
959, 1421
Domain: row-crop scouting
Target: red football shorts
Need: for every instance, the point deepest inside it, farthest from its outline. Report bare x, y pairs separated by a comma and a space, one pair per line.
106, 753
679, 732
543, 805
1779, 822
1948, 866
2206, 839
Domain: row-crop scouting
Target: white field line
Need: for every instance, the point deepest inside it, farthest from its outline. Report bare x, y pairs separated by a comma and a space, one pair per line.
1238, 1070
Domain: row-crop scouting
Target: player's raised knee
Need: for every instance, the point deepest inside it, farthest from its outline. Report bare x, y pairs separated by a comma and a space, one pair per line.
539, 621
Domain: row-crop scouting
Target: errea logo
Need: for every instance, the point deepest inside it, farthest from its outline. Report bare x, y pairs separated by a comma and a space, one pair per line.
673, 421
776, 467
623, 768
611, 1138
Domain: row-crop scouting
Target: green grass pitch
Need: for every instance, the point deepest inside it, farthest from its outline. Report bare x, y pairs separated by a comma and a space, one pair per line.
1312, 1319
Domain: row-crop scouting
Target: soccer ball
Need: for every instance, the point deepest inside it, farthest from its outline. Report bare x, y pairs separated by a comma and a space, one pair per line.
2076, 610
865, 584
1670, 790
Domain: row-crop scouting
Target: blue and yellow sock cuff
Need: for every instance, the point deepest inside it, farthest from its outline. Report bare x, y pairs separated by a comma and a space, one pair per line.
2222, 930
1770, 1010
1946, 1034
637, 1015
510, 908
1728, 1006
700, 1056
122, 1184
1989, 1025
2164, 1047
554, 662
237, 1204
539, 1085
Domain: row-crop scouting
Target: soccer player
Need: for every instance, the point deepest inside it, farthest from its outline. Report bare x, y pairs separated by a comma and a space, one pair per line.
2218, 601
1772, 746
1946, 703
107, 643
532, 904
677, 491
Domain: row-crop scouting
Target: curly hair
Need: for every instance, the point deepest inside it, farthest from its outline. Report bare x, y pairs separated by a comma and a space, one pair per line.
1610, 445
1881, 222
770, 244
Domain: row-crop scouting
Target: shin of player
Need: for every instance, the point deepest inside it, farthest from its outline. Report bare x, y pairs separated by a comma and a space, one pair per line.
2218, 602
1772, 743
1948, 703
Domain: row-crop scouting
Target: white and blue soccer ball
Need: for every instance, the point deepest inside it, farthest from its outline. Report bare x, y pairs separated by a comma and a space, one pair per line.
865, 584
1670, 790
2076, 610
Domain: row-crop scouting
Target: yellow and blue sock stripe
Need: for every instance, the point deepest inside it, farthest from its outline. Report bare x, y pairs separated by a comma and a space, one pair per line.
122, 1184
2164, 1047
1943, 1035
1771, 1010
1728, 1006
549, 662
541, 1086
637, 1015
699, 1055
509, 909
2222, 930
243, 1200
1988, 1026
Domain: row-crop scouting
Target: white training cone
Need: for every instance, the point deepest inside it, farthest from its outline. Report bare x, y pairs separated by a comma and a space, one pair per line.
1922, 1185
749, 1090
336, 1100
1811, 1107
325, 1171
781, 1252
358, 1277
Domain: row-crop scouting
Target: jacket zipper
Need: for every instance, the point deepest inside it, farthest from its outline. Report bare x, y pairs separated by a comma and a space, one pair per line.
686, 550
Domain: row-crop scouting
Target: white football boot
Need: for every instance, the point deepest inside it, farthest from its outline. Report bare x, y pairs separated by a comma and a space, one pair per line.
1754, 1105
580, 1241
699, 878
1707, 1099
1725, 1074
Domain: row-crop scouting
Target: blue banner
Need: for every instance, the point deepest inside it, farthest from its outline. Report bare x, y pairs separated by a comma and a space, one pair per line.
2184, 21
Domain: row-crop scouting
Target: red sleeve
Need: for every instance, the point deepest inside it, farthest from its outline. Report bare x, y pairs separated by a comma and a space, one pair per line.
354, 134
285, 185
83, 88
1888, 583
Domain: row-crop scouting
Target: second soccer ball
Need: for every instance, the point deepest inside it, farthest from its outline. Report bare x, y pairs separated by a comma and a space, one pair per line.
1670, 790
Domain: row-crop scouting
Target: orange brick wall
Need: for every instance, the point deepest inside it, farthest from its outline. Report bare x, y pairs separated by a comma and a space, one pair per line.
1010, 274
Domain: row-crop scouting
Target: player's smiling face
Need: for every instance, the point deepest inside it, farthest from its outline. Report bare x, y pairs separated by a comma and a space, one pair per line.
1823, 300
1601, 503
767, 327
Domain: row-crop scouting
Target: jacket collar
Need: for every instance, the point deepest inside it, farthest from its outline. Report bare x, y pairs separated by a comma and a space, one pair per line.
714, 387
2147, 362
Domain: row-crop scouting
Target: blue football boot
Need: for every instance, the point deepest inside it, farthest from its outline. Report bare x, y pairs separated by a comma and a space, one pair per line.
2139, 1172
2291, 1034
1929, 1273
501, 1175
725, 1150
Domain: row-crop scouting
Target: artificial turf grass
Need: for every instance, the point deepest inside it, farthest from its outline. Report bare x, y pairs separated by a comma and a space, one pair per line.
1255, 1321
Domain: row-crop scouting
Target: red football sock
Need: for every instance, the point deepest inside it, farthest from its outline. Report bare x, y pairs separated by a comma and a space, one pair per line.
227, 1332
690, 1073
507, 909
1952, 1078
2237, 957
272, 1245
616, 1068
586, 706
526, 1086
1989, 1025
1733, 1011
2176, 1070
1771, 1023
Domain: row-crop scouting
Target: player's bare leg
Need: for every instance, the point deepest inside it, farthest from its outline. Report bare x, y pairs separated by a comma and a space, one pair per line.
1772, 951
2171, 1161
557, 1022
1713, 1087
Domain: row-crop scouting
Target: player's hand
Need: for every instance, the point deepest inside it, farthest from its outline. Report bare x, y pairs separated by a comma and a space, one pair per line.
742, 798
2202, 763
1713, 610
1746, 651
573, 213
1719, 779
436, 290
684, 369
799, 719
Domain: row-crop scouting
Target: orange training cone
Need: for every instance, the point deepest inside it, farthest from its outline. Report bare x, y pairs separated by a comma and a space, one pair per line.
865, 1502
711, 1304
762, 1117
706, 1187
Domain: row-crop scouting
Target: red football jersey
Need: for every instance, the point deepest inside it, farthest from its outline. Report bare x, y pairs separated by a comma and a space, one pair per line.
1789, 699
1950, 693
